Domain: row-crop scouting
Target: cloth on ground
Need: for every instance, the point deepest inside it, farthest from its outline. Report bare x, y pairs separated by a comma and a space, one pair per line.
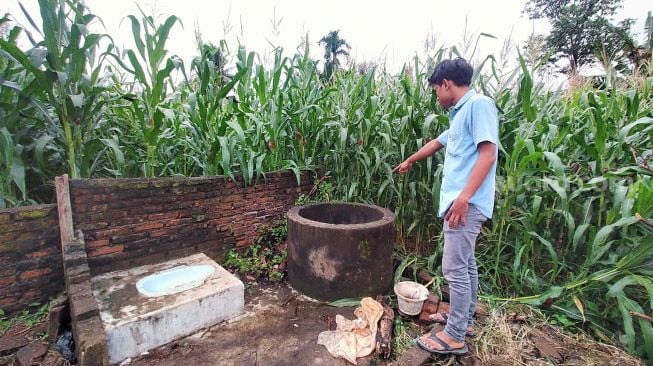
354, 338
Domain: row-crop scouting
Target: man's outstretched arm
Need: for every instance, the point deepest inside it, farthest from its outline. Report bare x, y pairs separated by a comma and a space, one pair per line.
427, 150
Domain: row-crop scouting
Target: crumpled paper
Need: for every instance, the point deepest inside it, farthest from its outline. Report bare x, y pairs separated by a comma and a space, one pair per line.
354, 338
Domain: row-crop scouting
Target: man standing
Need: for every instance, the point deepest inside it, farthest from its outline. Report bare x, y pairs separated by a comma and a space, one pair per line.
466, 195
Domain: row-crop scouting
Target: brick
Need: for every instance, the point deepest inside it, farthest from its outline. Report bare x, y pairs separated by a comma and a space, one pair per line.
6, 301
7, 280
91, 344
124, 203
150, 259
58, 314
95, 225
78, 289
34, 273
158, 233
114, 231
117, 215
105, 250
30, 294
138, 244
184, 204
42, 253
100, 265
83, 306
163, 198
74, 258
126, 239
224, 220
178, 222
98, 207
78, 274
147, 209
148, 226
163, 216
5, 217
97, 243
189, 212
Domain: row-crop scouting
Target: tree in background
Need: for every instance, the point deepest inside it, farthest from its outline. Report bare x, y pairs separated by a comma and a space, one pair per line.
581, 29
334, 46
641, 55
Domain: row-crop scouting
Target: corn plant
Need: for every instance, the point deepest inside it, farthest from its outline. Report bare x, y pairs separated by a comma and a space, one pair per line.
64, 75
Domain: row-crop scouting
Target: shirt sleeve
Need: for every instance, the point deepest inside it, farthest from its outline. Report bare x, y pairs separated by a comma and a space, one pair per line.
484, 124
444, 136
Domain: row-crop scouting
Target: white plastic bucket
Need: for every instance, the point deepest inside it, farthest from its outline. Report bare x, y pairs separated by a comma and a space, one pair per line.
410, 296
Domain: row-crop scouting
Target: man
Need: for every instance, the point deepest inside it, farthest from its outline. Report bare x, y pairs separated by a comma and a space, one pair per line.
466, 195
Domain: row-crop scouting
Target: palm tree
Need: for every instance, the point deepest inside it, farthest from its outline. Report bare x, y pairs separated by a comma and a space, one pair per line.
334, 46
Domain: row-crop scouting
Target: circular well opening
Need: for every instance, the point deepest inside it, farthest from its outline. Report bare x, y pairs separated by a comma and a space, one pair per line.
341, 213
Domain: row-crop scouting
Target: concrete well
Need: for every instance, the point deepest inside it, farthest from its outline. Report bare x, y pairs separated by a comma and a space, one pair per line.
340, 250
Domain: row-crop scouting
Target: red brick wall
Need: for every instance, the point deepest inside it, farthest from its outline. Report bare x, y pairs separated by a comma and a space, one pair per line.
131, 222
30, 256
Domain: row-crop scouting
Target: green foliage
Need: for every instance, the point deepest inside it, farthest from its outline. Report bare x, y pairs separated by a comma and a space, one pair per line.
324, 193
266, 257
581, 30
33, 314
403, 338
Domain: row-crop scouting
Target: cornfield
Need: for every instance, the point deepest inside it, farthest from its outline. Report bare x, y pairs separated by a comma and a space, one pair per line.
570, 233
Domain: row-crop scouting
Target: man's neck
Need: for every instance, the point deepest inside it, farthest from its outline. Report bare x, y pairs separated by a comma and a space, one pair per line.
459, 92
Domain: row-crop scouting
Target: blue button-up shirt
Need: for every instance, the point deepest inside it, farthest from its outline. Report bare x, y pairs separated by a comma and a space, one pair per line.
473, 120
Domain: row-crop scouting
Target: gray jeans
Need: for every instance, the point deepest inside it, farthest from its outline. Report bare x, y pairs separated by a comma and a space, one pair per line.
460, 271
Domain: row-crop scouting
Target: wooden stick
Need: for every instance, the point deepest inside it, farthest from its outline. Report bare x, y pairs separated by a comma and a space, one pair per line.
423, 276
384, 332
63, 208
642, 316
316, 185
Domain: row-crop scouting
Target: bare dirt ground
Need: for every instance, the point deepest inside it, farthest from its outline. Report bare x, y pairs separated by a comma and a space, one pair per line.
278, 328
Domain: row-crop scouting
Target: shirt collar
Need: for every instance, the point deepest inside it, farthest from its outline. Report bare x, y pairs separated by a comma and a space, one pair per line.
464, 98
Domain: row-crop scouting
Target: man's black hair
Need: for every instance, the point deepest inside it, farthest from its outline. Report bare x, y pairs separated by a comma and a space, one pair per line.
457, 70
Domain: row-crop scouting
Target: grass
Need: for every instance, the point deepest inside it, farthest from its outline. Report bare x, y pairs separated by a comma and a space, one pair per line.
28, 317
266, 257
404, 334
518, 335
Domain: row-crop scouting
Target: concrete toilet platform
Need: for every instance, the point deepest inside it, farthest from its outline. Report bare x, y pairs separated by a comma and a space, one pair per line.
135, 323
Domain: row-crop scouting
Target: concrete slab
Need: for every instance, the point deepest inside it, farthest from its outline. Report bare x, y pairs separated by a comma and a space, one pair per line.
135, 323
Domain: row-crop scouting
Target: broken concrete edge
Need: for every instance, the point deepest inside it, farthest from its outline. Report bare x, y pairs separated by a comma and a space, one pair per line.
31, 352
58, 314
90, 341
